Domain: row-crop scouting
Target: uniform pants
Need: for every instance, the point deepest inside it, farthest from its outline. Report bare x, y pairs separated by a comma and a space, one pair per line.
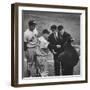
42, 65
31, 61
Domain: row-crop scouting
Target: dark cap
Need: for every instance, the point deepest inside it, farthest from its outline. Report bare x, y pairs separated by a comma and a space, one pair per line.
45, 31
53, 27
60, 27
31, 22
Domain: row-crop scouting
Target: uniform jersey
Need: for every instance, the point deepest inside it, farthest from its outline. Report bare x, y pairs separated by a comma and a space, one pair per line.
43, 46
30, 37
43, 42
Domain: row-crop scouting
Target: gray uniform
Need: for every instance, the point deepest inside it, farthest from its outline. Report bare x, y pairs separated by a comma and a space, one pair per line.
31, 39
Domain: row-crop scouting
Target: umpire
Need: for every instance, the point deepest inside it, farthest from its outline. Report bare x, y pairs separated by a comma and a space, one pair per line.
54, 48
68, 54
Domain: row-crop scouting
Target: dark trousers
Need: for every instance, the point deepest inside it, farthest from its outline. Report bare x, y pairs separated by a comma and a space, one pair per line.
67, 70
56, 65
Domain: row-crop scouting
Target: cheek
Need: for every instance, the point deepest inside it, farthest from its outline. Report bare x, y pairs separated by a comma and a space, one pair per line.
32, 27
47, 36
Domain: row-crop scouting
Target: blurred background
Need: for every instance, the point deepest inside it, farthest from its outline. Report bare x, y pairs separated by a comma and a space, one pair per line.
71, 23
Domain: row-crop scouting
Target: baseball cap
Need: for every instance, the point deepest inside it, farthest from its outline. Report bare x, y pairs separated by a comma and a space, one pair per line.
32, 22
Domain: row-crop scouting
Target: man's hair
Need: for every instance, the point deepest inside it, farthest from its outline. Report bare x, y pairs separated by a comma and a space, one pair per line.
45, 31
60, 27
53, 27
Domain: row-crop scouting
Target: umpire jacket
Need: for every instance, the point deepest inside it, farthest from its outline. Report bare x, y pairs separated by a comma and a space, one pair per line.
64, 40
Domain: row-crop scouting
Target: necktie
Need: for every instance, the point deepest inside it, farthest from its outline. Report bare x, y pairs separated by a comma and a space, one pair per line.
60, 36
55, 36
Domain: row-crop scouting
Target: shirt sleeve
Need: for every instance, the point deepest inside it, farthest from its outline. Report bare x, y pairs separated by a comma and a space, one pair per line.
43, 43
25, 37
46, 44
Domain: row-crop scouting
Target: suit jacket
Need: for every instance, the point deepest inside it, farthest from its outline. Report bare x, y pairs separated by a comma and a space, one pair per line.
64, 40
52, 43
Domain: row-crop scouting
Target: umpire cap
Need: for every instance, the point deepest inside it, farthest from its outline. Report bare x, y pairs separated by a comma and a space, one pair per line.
60, 27
53, 27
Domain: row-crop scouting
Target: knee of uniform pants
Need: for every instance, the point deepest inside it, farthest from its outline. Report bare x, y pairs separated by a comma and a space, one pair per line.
44, 67
31, 54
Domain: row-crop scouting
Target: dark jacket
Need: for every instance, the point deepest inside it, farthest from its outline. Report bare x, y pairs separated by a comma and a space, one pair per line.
64, 40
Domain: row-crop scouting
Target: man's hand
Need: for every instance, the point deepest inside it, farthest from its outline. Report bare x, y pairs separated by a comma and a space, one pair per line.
54, 52
58, 46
